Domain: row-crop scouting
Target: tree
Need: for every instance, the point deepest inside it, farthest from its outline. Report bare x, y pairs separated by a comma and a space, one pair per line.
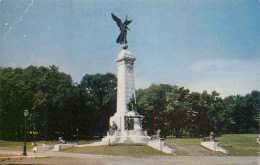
150, 100
177, 110
51, 92
244, 111
58, 106
14, 100
208, 113
102, 91
43, 91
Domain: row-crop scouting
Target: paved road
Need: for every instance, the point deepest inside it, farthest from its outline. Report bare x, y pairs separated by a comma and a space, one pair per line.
73, 158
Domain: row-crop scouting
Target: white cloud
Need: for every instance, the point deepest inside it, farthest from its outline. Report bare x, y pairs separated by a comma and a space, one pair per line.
226, 86
228, 77
230, 65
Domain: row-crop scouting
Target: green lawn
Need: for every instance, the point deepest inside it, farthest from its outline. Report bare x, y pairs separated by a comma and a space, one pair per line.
100, 150
137, 151
8, 155
14, 146
242, 144
18, 146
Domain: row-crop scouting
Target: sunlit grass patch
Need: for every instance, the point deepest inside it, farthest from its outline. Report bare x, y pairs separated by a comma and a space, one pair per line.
7, 155
137, 151
14, 145
191, 141
242, 144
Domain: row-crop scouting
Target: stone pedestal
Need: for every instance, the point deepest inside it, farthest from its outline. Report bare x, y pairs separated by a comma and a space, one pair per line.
214, 146
128, 121
161, 145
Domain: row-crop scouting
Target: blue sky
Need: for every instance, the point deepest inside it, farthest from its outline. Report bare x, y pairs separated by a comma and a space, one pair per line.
199, 44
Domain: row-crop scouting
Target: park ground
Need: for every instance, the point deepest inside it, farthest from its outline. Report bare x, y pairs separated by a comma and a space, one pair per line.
244, 151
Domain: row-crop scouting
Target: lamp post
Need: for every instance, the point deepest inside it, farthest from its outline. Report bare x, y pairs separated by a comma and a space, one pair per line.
26, 112
33, 135
152, 108
77, 136
154, 121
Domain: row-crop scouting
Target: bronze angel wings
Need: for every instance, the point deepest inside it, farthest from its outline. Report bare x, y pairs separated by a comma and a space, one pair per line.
121, 39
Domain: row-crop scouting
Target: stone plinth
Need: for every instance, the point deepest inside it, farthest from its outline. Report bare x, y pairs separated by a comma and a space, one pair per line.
214, 146
136, 136
160, 145
129, 138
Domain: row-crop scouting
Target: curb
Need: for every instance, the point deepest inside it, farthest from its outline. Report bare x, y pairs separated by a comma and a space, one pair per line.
19, 157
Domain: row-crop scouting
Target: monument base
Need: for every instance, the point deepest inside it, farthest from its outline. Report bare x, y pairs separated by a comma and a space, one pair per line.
129, 137
129, 130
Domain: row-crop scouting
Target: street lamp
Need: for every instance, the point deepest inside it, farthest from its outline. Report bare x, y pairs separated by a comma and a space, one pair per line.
77, 136
154, 121
152, 108
26, 112
33, 135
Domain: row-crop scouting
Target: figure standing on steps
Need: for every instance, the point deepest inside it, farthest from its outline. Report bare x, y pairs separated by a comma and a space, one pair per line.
121, 39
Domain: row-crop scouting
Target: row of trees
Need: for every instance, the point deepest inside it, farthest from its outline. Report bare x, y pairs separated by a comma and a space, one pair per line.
181, 112
58, 106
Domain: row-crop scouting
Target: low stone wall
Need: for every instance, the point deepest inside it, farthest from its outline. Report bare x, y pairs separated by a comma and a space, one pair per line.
59, 147
214, 146
42, 148
160, 145
56, 147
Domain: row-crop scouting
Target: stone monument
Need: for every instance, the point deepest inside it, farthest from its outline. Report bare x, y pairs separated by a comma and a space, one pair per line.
125, 125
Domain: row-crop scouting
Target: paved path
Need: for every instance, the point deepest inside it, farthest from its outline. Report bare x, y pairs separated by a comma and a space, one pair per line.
193, 150
73, 158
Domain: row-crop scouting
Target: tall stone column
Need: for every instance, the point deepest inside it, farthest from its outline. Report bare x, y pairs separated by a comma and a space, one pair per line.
126, 84
125, 91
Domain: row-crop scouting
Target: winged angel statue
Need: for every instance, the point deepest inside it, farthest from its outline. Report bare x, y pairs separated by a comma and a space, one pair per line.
121, 39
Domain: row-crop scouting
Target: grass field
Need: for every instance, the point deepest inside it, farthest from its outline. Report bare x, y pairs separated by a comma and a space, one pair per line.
137, 151
8, 155
18, 146
14, 146
242, 145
